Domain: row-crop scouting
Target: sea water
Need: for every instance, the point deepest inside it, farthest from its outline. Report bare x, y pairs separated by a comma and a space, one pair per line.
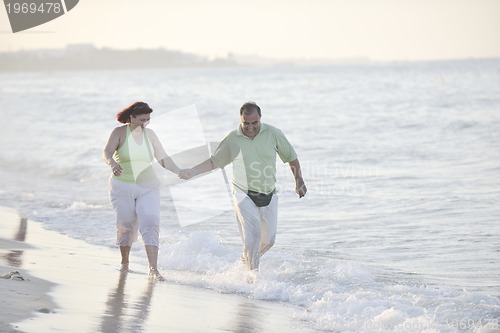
399, 230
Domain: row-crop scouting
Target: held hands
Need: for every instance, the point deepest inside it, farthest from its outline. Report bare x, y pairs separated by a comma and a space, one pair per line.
186, 174
300, 187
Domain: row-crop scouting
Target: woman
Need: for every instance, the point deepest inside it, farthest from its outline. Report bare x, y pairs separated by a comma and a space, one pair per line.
134, 187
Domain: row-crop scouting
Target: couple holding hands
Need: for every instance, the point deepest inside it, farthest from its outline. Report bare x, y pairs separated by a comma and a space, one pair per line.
135, 190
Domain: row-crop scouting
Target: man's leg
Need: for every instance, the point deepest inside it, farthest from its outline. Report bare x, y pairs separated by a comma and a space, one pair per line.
247, 216
269, 223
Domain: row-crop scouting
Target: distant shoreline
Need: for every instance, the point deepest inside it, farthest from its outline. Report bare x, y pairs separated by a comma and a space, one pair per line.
87, 57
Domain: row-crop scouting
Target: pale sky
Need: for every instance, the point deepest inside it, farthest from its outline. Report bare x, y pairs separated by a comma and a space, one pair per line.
299, 29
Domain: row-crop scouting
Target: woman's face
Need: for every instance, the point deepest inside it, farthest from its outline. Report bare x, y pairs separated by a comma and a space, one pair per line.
140, 120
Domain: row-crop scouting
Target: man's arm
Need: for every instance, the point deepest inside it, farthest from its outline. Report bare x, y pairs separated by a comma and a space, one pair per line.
300, 186
203, 167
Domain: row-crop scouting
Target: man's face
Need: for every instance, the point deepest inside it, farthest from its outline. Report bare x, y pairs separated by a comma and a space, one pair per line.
250, 124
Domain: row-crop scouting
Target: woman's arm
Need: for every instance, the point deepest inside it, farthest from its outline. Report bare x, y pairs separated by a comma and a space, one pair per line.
160, 154
110, 148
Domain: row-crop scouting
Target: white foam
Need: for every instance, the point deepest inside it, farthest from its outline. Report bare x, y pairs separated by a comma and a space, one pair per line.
328, 294
77, 205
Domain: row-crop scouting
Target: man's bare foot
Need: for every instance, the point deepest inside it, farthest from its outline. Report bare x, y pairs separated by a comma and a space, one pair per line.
251, 276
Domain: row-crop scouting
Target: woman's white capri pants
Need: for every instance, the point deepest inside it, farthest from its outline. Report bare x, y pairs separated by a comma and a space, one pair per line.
137, 209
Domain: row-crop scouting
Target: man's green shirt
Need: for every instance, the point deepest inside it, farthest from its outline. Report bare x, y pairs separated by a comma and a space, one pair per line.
254, 160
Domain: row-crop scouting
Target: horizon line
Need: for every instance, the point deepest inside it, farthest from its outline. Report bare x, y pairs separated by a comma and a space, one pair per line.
229, 54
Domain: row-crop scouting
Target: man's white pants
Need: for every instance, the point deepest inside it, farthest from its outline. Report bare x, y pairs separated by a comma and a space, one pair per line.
257, 226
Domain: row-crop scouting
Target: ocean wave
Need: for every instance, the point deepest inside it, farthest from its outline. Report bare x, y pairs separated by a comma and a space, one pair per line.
80, 205
328, 294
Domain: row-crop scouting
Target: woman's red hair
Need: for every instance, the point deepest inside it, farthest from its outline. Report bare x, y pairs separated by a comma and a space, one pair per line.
135, 109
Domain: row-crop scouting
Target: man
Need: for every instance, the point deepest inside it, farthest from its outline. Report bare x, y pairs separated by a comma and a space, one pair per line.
252, 150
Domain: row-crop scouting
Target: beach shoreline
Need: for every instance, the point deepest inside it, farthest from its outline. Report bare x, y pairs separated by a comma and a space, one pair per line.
68, 281
23, 294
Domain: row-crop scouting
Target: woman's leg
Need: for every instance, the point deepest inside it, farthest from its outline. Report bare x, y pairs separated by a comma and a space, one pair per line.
152, 253
148, 215
123, 201
125, 253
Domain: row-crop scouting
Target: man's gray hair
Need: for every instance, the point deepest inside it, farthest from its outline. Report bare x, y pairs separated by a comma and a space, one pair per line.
249, 107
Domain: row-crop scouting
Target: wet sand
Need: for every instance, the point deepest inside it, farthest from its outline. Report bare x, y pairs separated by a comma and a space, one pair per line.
71, 286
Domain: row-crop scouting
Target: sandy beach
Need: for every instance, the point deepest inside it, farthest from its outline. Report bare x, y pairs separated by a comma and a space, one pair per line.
70, 285
22, 294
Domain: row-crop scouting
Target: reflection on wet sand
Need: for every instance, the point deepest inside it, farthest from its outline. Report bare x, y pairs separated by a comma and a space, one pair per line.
14, 257
247, 319
143, 307
116, 317
115, 306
